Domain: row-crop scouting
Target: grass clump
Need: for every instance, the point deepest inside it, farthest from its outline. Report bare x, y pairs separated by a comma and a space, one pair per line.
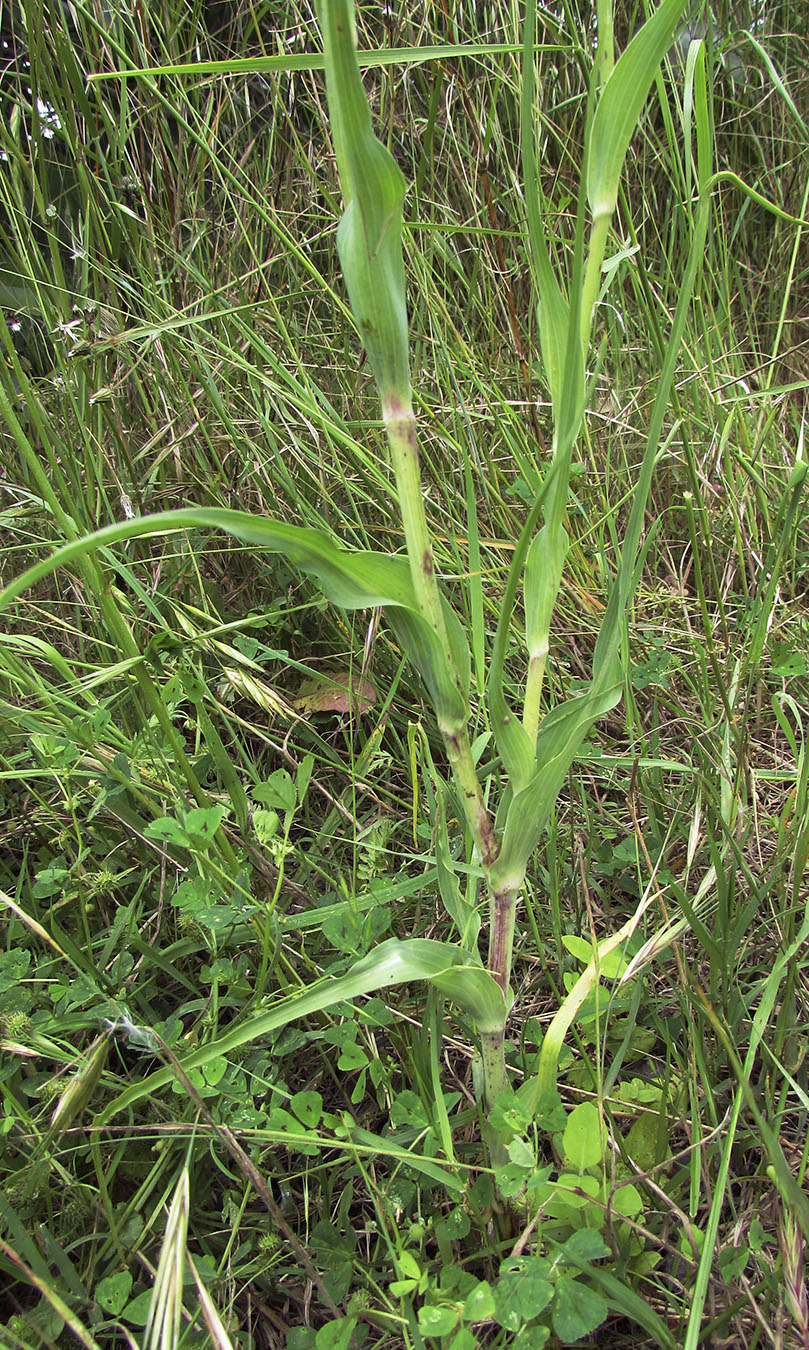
234, 1112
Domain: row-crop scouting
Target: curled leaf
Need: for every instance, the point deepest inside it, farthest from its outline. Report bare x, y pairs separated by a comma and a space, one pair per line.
341, 691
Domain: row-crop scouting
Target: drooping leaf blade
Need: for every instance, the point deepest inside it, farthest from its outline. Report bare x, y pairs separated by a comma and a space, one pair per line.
355, 580
394, 962
351, 580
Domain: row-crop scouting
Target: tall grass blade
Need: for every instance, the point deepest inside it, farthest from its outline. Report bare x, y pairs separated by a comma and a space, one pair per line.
52, 1298
553, 308
162, 1331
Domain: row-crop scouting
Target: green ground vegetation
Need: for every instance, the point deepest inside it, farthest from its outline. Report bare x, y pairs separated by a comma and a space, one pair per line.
224, 792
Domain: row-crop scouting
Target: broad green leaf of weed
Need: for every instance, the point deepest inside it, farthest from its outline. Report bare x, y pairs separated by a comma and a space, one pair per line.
408, 1109
308, 1107
550, 1115
277, 792
521, 1153
137, 1312
13, 966
437, 1320
112, 1292
408, 1267
627, 1200
202, 823
534, 1337
353, 932
301, 1338
509, 1115
464, 1340
732, 1262
336, 1335
281, 1120
168, 831
266, 824
352, 1057
334, 1252
613, 965
642, 1143
570, 1193
50, 881
457, 1224
585, 1245
510, 1179
206, 1081
584, 1136
196, 897
522, 1293
577, 1310
759, 1237
479, 1304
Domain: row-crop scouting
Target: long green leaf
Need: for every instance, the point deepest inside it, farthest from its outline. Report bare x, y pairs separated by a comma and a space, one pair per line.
442, 964
355, 580
621, 104
351, 580
514, 745
369, 237
306, 61
560, 737
564, 729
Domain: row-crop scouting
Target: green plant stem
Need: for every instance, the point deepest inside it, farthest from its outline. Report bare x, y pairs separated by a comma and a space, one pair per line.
592, 274
501, 934
535, 678
492, 1050
400, 424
